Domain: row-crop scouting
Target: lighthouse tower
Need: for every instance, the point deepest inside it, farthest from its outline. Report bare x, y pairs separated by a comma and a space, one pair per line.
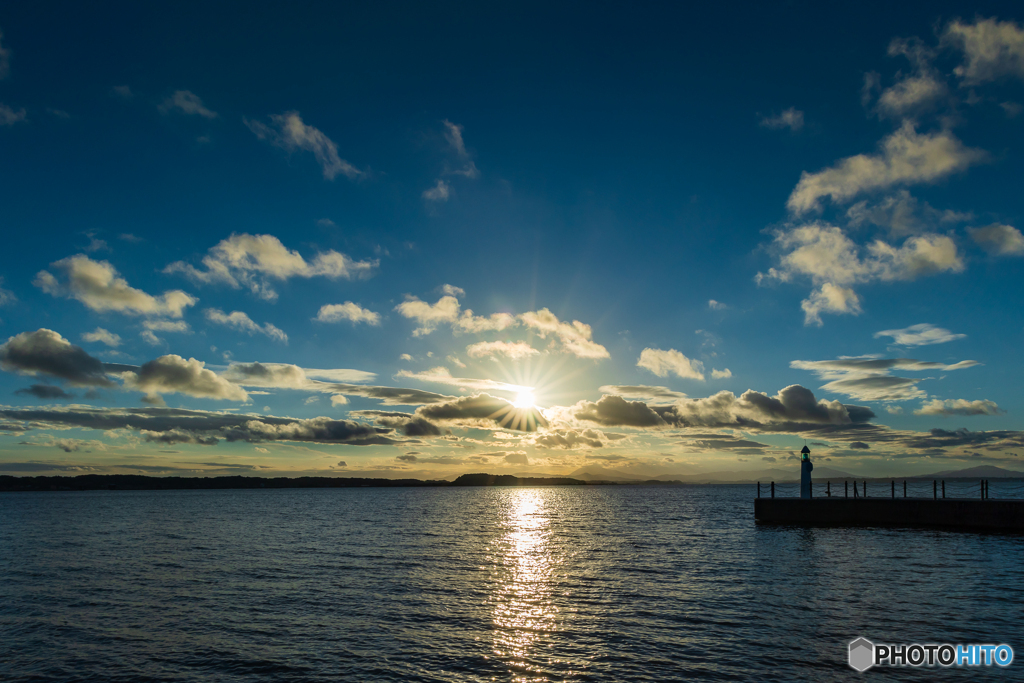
805, 472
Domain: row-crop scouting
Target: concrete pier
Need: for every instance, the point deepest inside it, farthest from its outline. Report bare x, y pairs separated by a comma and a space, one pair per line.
949, 512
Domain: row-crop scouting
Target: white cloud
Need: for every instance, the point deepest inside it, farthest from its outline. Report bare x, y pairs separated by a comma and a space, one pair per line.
99, 286
123, 91
173, 374
834, 262
721, 374
438, 193
150, 338
448, 310
643, 392
241, 321
338, 400
576, 338
905, 157
253, 261
920, 335
992, 49
6, 296
716, 305
102, 336
187, 103
167, 326
869, 378
959, 406
512, 350
452, 290
663, 363
453, 134
791, 118
9, 116
332, 313
290, 133
405, 357
1002, 240
441, 375
829, 298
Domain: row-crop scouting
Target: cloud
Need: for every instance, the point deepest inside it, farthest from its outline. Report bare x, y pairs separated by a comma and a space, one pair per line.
901, 214
271, 375
406, 423
721, 374
438, 193
187, 103
511, 350
793, 409
449, 311
906, 157
916, 92
99, 286
834, 263
150, 338
791, 118
517, 458
288, 132
441, 375
173, 374
922, 334
45, 392
9, 116
332, 313
453, 134
177, 425
868, 378
167, 326
959, 406
241, 321
643, 392
1001, 240
123, 91
663, 363
992, 49
286, 376
46, 352
102, 336
575, 338
6, 296
484, 410
253, 261
569, 439
859, 445
716, 305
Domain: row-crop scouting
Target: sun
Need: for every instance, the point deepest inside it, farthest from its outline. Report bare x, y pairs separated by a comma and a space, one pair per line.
524, 400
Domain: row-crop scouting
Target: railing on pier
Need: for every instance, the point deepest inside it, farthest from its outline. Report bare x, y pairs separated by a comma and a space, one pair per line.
899, 488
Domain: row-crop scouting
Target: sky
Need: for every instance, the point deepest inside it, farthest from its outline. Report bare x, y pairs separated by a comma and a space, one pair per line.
418, 240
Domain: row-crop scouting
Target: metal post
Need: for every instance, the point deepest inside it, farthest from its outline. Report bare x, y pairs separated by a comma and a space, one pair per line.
935, 490
894, 489
773, 489
983, 489
828, 489
846, 489
904, 488
810, 489
865, 488
758, 489
943, 488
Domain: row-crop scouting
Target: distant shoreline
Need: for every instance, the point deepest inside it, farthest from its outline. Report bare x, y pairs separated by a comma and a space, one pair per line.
141, 482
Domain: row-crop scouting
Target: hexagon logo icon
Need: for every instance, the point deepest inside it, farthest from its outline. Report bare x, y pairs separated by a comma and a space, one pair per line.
862, 654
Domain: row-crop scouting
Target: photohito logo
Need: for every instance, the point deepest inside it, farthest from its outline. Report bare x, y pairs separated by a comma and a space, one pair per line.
864, 654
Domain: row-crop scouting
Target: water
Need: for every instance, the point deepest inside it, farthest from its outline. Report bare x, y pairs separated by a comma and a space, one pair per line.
622, 583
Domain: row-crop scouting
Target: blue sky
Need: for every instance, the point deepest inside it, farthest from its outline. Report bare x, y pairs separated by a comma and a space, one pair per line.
425, 240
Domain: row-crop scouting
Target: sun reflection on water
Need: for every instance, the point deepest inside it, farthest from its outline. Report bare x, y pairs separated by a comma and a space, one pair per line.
524, 610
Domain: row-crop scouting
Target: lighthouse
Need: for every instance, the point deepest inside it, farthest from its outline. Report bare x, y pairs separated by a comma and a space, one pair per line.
805, 472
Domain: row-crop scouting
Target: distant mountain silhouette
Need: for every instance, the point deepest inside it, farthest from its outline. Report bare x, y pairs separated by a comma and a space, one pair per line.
979, 472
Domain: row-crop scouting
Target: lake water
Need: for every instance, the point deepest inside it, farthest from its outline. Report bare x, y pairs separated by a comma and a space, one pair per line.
616, 583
